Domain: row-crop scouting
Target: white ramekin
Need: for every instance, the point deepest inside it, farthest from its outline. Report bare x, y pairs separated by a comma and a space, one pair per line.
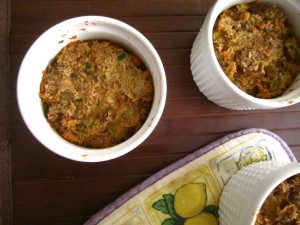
214, 83
247, 190
47, 46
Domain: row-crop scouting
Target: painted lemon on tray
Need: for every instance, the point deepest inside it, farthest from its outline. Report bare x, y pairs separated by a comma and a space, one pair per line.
188, 206
190, 200
202, 219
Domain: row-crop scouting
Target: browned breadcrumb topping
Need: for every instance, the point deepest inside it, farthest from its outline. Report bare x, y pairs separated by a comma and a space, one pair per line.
96, 94
282, 206
257, 49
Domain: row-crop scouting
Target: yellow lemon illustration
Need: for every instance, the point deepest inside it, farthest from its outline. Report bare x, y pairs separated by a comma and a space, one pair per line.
203, 219
252, 154
190, 199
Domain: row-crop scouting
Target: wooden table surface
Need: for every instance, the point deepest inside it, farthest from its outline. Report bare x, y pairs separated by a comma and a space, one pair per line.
48, 189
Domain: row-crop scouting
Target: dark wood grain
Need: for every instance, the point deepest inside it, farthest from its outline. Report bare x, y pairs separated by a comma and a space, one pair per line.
50, 190
62, 9
155, 24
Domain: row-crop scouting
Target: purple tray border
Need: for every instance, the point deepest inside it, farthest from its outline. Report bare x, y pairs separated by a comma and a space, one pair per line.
95, 219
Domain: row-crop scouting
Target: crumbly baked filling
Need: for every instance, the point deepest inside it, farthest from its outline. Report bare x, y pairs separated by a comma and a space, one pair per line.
282, 206
257, 49
96, 94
